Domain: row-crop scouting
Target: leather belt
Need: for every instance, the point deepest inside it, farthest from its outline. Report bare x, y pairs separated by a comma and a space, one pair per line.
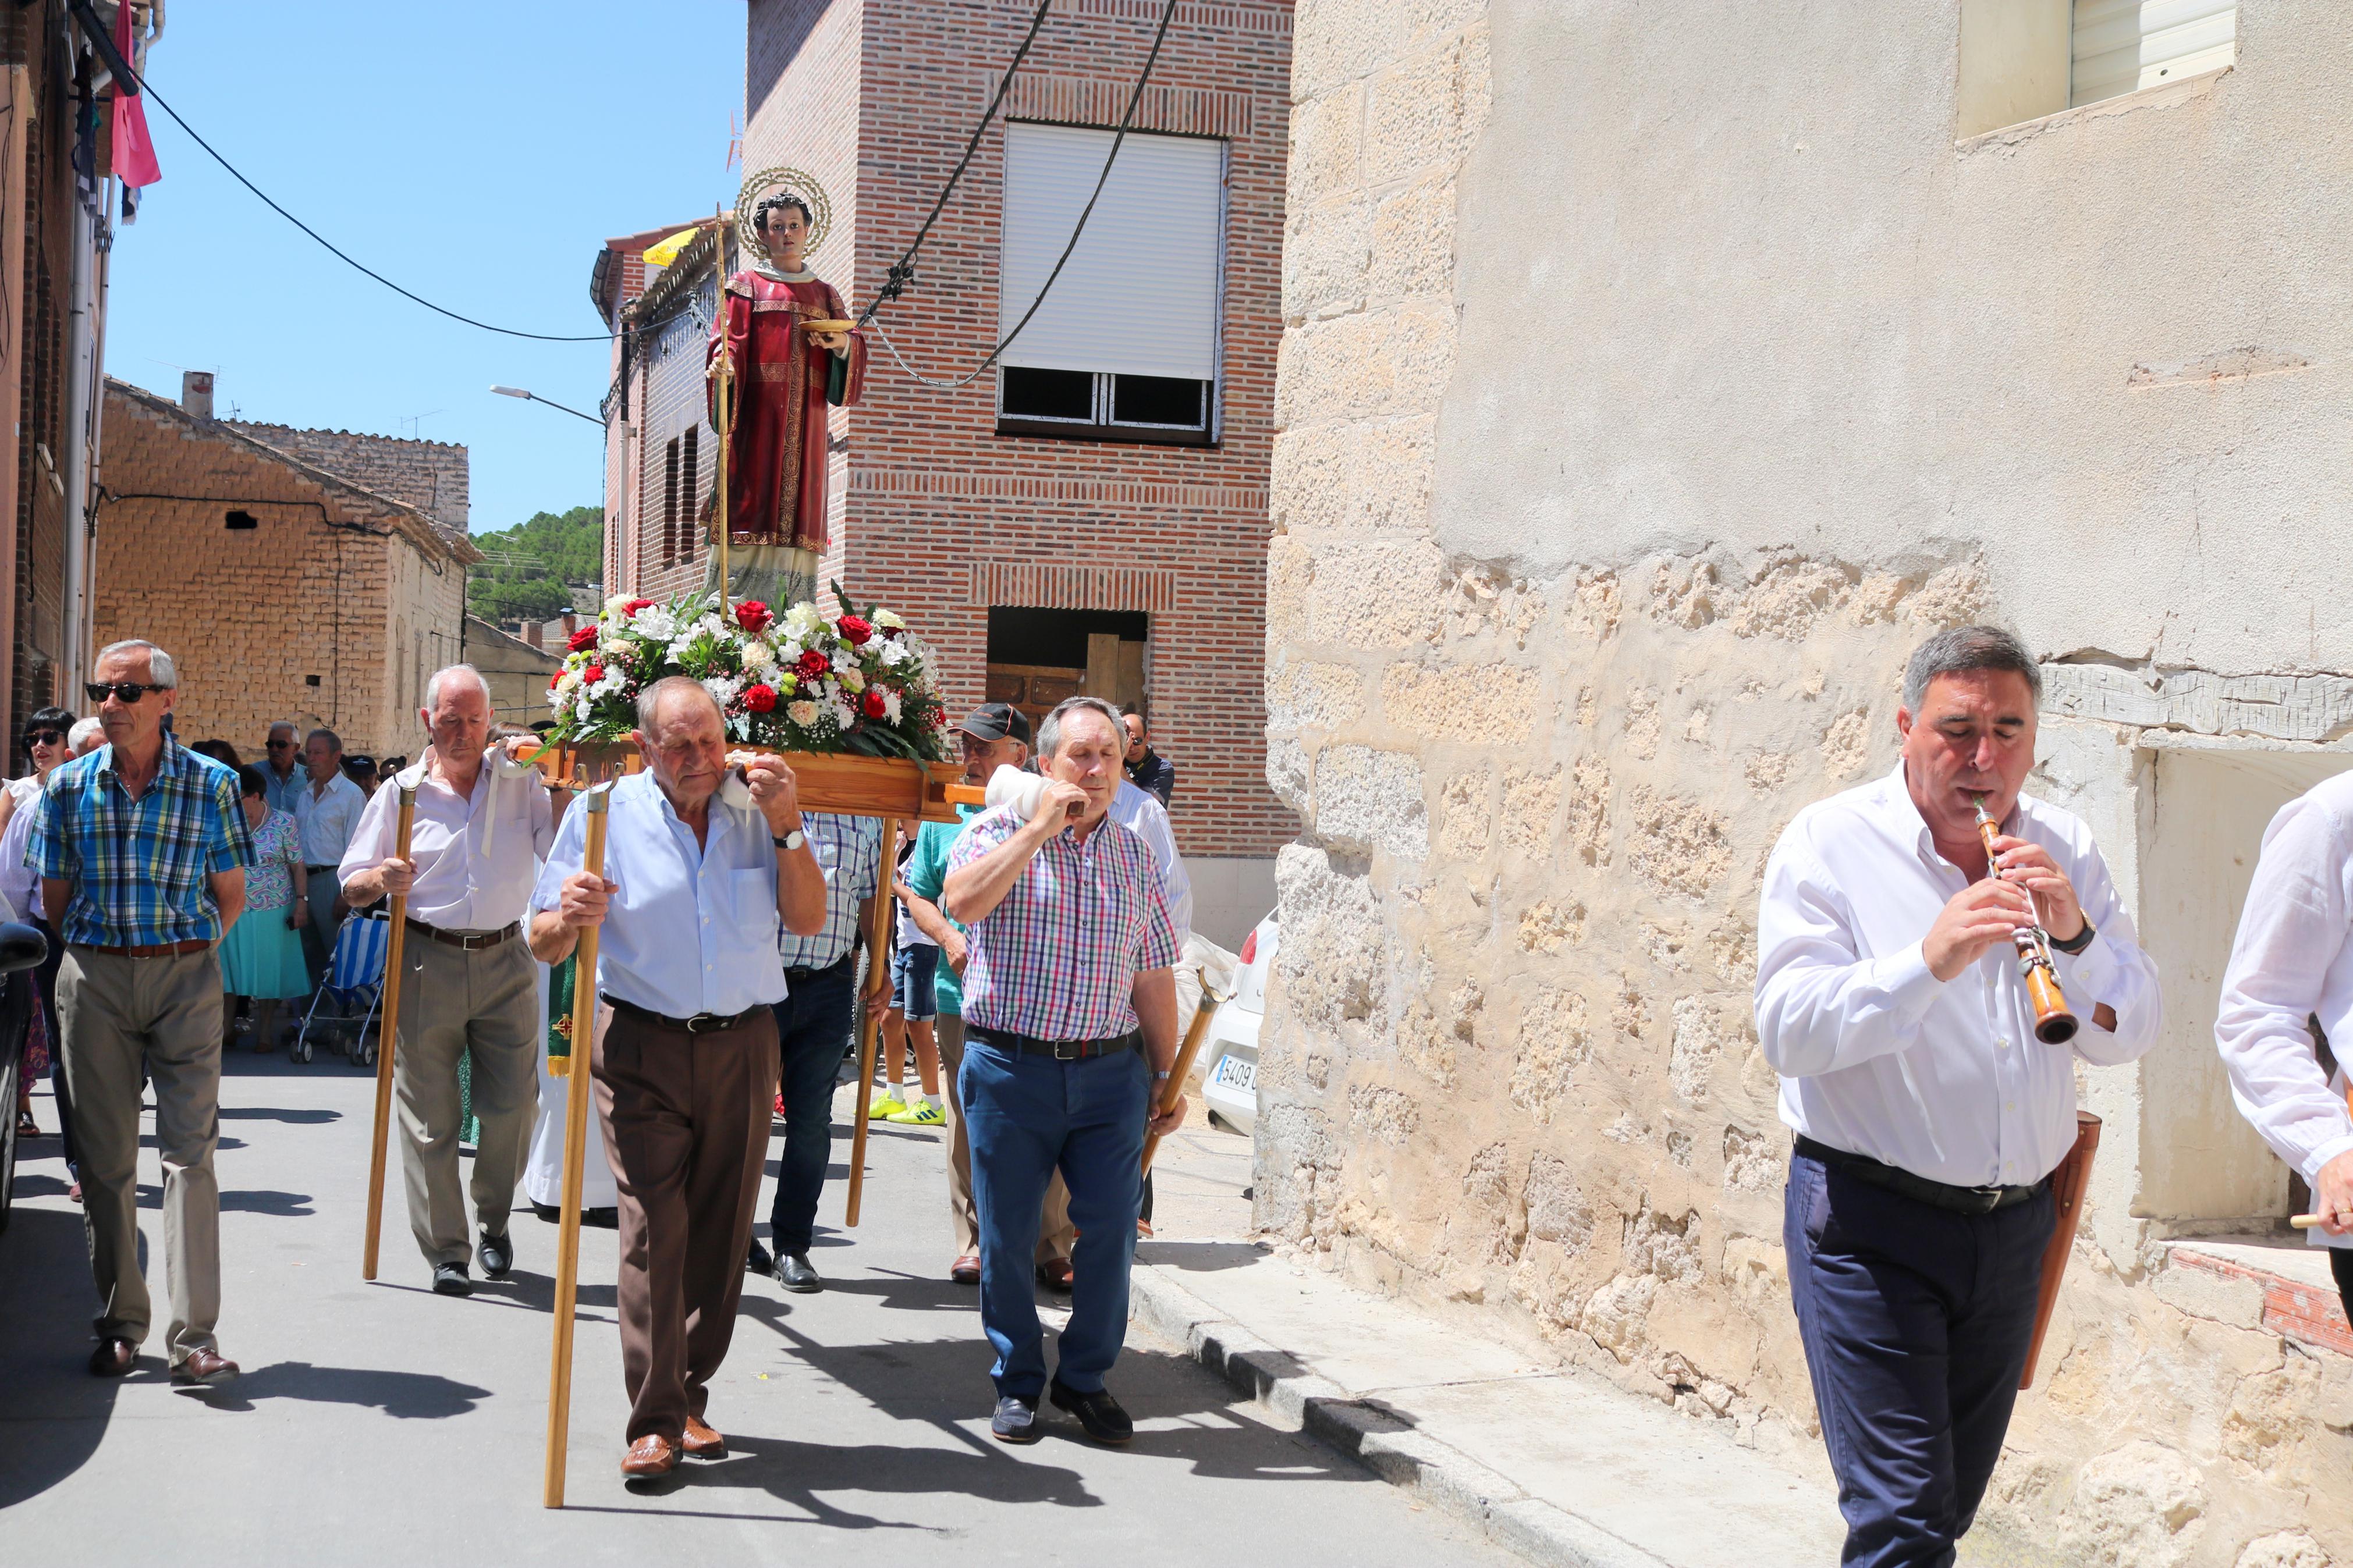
155, 950
468, 941
812, 971
1061, 1050
700, 1024
1938, 1194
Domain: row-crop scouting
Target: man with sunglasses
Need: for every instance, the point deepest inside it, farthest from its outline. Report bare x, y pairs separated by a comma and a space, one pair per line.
282, 776
142, 846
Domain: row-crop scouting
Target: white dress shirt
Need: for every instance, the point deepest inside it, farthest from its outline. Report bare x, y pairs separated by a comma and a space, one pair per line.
2292, 963
694, 927
1876, 1054
19, 883
327, 818
468, 877
1140, 812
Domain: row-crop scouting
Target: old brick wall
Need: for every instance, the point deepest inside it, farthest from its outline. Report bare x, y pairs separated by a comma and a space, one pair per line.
431, 476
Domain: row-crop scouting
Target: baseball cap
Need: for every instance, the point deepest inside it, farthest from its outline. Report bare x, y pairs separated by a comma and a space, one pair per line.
996, 722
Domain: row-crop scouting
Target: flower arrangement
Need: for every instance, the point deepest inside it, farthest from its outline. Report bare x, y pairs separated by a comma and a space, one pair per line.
860, 683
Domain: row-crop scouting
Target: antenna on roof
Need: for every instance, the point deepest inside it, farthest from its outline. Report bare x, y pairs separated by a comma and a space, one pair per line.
413, 420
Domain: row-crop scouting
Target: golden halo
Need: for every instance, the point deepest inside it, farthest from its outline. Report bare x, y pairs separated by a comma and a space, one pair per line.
769, 182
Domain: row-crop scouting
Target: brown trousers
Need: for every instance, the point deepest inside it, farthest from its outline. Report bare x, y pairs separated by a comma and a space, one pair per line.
686, 1130
1055, 1234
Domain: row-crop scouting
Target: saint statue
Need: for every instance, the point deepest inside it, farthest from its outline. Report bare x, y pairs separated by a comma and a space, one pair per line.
792, 355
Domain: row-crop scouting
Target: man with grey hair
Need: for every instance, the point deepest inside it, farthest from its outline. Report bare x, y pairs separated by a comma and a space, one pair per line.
1070, 1010
1928, 1116
326, 814
282, 774
142, 846
470, 990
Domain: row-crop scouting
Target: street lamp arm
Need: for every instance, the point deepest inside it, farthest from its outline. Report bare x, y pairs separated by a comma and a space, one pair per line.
534, 397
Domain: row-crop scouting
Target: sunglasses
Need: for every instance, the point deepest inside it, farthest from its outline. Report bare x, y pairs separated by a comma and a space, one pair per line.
45, 738
280, 745
125, 691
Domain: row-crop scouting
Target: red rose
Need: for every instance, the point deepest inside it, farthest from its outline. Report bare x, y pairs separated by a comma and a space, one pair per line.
583, 639
592, 675
634, 605
872, 703
554, 678
760, 699
854, 631
751, 615
811, 665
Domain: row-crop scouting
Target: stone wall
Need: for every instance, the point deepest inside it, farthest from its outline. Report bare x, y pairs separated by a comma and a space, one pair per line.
1650, 384
433, 477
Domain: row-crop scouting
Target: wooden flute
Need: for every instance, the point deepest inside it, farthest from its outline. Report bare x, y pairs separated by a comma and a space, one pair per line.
2053, 1024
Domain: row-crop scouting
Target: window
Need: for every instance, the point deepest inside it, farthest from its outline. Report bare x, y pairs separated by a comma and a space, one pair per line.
2022, 59
1126, 347
689, 490
669, 504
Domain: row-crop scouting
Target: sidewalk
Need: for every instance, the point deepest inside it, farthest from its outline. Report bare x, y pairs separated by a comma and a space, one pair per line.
1560, 1467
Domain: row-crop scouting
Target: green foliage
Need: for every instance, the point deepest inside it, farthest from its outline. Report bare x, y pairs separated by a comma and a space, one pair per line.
532, 564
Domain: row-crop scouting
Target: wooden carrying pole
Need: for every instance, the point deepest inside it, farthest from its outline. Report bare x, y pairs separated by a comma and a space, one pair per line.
2067, 1186
387, 1037
869, 1028
722, 415
575, 1151
1185, 1052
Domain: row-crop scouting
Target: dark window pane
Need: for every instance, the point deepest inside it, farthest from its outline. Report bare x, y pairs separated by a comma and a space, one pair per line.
1158, 400
1049, 393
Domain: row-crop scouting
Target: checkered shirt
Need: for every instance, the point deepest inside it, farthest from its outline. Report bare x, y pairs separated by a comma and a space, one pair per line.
848, 850
1058, 959
139, 866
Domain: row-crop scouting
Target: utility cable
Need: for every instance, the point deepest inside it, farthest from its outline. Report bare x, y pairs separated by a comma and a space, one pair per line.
1134, 99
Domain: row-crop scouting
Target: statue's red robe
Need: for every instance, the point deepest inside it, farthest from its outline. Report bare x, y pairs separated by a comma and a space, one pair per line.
777, 464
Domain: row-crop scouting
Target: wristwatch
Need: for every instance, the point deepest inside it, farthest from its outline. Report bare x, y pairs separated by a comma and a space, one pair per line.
790, 841
2076, 943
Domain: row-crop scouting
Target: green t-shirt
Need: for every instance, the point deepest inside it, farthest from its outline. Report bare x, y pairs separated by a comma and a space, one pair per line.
926, 873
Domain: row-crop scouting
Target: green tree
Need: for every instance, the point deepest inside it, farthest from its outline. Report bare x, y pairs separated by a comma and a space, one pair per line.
534, 565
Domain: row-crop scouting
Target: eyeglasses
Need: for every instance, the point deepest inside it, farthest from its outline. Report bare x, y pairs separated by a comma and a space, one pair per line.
280, 745
125, 691
45, 738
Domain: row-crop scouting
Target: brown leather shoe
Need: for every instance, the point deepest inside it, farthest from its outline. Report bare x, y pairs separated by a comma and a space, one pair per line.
1055, 1275
651, 1455
701, 1442
204, 1369
966, 1270
112, 1358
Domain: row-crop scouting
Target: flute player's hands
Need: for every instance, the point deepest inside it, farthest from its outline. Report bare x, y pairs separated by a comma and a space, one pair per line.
1972, 921
2031, 866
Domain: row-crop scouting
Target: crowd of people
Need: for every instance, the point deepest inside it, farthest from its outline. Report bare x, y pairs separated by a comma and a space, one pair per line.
191, 897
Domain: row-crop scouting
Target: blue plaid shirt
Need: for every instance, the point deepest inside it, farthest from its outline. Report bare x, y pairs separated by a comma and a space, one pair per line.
139, 868
848, 850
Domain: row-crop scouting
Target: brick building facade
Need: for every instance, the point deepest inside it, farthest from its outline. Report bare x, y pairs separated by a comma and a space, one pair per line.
286, 590
1036, 564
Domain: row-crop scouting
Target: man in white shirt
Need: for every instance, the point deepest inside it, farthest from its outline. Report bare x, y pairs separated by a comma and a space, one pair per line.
469, 990
327, 810
1928, 1116
2287, 996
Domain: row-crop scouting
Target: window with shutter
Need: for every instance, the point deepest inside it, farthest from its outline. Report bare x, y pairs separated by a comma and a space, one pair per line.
2122, 45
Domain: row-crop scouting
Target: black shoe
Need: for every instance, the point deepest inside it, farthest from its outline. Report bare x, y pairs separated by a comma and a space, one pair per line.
601, 1219
449, 1279
794, 1273
757, 1261
550, 1213
1016, 1420
1098, 1412
497, 1256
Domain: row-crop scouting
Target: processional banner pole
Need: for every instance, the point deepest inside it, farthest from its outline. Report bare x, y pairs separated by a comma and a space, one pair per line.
387, 1037
878, 950
724, 414
575, 1150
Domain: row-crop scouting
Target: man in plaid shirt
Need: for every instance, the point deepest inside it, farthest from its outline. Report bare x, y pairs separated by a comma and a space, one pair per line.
141, 847
1070, 1011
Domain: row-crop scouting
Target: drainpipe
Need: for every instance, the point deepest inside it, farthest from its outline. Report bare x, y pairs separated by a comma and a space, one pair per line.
80, 339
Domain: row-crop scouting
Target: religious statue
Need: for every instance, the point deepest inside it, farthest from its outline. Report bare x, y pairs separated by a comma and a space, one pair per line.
782, 351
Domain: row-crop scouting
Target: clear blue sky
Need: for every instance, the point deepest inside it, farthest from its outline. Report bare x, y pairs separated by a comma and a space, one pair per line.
477, 153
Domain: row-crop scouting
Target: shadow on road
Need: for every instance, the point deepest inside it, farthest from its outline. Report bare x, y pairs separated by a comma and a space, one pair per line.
276, 1113
52, 1412
405, 1395
1199, 1257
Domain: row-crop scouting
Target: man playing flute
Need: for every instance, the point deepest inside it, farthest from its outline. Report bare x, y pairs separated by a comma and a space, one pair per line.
1928, 1117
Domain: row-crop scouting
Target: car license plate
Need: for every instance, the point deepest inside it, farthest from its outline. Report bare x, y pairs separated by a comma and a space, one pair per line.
1237, 1072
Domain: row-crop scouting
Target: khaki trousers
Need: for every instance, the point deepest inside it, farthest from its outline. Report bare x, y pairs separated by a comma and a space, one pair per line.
484, 1005
685, 1119
1056, 1234
125, 1022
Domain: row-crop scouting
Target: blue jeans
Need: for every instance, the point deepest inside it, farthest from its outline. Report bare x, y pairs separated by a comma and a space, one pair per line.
1028, 1116
812, 1023
1915, 1322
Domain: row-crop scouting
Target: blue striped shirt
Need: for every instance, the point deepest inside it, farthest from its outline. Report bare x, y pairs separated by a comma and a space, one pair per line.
848, 850
140, 867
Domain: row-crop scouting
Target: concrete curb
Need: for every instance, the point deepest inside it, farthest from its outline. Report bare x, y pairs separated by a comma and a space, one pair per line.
1375, 1437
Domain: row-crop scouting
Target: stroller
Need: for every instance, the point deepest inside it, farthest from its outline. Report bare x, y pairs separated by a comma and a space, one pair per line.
355, 974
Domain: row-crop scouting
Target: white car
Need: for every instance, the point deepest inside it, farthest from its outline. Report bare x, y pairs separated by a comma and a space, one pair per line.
1229, 1084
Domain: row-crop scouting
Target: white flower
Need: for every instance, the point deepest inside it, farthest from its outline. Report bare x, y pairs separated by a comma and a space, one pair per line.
568, 681
613, 606
654, 623
586, 709
802, 713
723, 689
712, 624
803, 619
844, 715
614, 680
889, 620
890, 706
758, 655
894, 652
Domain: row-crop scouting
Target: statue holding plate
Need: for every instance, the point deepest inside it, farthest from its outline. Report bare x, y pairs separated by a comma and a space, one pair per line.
782, 353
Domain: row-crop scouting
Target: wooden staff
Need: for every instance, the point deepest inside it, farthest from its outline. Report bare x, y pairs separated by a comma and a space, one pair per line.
575, 1150
722, 409
387, 1037
869, 1028
1185, 1055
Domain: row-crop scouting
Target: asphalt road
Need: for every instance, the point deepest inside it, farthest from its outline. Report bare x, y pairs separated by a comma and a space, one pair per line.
380, 1422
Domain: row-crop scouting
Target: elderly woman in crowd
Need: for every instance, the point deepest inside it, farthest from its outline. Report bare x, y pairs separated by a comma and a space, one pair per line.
45, 744
261, 957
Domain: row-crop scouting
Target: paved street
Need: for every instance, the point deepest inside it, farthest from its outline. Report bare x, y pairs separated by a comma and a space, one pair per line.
381, 1423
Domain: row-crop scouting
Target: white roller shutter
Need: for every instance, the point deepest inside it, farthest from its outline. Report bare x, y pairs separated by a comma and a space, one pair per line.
1139, 296
2122, 45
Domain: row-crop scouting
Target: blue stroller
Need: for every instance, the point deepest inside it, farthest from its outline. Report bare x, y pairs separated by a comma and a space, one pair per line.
354, 976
